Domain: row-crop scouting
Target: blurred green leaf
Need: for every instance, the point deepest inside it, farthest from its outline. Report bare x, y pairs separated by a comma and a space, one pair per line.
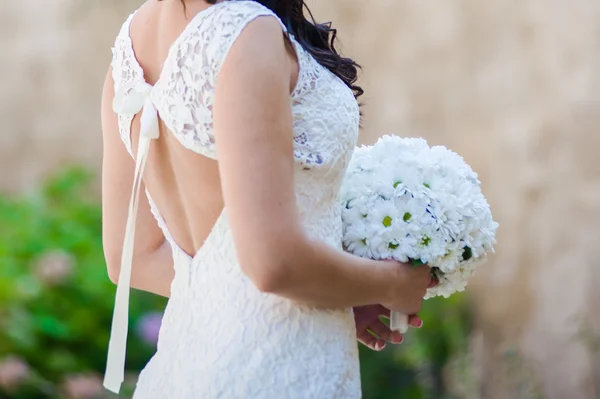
59, 327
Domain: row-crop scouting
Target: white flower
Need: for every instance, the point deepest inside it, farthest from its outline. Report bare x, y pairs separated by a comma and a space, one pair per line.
356, 238
403, 244
412, 212
402, 199
382, 216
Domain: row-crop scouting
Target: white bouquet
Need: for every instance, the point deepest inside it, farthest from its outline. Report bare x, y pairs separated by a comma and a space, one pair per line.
404, 200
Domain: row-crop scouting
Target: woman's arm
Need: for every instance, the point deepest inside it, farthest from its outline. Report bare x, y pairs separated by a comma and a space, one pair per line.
253, 128
152, 268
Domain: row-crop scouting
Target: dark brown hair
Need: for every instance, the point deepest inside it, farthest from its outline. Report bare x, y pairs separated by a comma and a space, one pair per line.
317, 39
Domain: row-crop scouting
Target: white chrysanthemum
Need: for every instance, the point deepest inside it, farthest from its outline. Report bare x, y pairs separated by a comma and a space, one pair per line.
382, 216
355, 240
402, 199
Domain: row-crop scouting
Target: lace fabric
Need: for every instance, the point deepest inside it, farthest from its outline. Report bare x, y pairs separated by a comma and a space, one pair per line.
221, 337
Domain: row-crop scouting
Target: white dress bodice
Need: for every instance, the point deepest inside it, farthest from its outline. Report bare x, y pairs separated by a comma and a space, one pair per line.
221, 337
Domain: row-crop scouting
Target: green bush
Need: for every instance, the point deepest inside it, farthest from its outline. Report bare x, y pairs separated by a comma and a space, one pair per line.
56, 307
55, 298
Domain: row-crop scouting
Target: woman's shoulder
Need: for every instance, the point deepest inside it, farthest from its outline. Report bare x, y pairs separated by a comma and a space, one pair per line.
223, 23
239, 13
243, 6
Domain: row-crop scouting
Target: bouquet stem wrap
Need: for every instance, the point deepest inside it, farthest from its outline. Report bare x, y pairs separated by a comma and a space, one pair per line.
399, 322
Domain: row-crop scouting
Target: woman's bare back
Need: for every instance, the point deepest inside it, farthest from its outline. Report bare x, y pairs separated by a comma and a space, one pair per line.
185, 186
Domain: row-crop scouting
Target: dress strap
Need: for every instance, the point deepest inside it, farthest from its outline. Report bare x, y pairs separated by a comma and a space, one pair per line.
129, 100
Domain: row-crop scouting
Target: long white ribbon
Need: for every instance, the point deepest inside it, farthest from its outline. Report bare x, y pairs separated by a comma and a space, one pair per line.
128, 101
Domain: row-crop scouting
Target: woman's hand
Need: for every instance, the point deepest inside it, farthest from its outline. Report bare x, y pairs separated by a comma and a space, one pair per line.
367, 321
407, 286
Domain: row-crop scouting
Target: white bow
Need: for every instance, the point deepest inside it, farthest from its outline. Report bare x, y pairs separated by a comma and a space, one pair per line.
129, 100
134, 97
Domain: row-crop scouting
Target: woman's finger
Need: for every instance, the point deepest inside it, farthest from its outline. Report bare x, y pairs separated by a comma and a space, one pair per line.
384, 332
383, 311
370, 341
434, 282
415, 321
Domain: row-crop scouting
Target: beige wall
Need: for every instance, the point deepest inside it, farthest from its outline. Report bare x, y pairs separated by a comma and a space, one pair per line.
512, 85
54, 58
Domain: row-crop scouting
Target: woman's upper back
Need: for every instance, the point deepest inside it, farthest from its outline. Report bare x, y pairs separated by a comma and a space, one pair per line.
182, 60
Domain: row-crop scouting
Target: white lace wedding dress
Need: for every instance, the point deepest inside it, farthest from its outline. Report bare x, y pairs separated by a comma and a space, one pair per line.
221, 337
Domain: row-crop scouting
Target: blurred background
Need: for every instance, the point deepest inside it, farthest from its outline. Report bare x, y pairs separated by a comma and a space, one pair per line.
511, 85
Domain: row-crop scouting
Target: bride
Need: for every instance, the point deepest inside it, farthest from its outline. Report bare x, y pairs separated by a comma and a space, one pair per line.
235, 121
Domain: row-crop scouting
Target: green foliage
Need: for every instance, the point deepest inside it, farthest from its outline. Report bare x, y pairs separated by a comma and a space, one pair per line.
56, 305
55, 298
